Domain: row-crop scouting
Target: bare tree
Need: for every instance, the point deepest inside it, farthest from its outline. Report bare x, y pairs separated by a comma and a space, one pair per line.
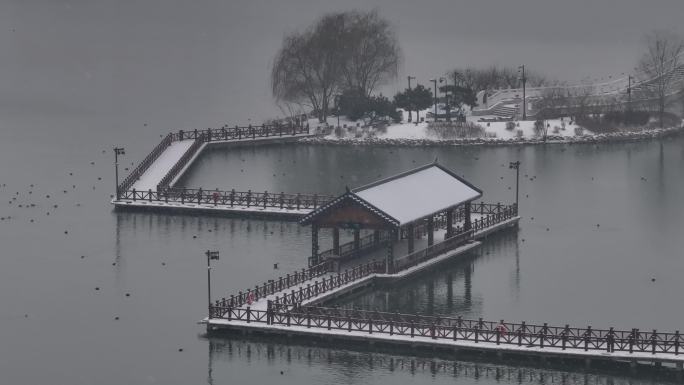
658, 64
308, 67
371, 52
494, 77
345, 50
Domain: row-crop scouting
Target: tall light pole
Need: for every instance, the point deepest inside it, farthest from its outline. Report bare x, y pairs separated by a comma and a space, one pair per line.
117, 151
516, 165
408, 94
446, 97
337, 109
434, 81
210, 255
629, 93
524, 80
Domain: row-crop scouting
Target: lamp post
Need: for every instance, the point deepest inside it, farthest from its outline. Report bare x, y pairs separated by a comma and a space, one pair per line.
408, 94
434, 81
210, 255
117, 151
446, 97
629, 93
516, 165
524, 80
337, 109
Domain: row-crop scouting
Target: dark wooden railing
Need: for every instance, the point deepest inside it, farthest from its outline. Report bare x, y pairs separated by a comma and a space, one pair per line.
181, 163
459, 329
347, 250
145, 164
313, 288
227, 133
230, 198
273, 286
430, 252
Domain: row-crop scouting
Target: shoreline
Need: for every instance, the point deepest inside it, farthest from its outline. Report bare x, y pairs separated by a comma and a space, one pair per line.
550, 139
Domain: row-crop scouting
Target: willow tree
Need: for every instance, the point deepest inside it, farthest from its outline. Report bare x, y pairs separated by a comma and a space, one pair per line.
660, 64
341, 51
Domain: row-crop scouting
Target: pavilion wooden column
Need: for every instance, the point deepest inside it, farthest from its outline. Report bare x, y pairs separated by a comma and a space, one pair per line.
410, 230
467, 224
357, 241
431, 231
389, 259
336, 241
449, 222
313, 261
376, 236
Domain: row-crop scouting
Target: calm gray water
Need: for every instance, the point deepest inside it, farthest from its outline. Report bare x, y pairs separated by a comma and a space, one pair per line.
78, 78
57, 328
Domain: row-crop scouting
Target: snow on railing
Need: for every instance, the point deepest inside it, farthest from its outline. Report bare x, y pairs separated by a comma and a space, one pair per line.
459, 329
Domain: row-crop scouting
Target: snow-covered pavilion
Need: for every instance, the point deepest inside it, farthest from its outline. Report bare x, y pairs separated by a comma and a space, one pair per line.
398, 206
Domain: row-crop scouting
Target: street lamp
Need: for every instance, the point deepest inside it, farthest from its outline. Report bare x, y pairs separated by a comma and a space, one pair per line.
524, 80
434, 81
210, 255
516, 165
337, 108
446, 97
117, 151
408, 96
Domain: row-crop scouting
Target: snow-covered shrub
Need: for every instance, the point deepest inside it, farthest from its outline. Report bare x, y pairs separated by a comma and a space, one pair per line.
539, 127
338, 132
579, 131
490, 135
453, 130
518, 133
510, 126
556, 129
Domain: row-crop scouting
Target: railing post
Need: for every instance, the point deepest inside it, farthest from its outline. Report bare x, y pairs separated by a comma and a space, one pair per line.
133, 194
265, 198
209, 134
632, 336
199, 196
654, 341
676, 342
564, 335
520, 333
587, 334
232, 197
149, 195
249, 197
249, 313
282, 199
238, 132
298, 200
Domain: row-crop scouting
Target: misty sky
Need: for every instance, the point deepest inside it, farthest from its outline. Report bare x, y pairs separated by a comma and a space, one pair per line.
205, 62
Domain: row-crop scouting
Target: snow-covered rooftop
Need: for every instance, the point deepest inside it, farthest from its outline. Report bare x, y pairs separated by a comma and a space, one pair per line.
418, 193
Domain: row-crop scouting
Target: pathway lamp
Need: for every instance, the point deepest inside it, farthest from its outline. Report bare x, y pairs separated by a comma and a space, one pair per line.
211, 255
408, 96
516, 166
434, 82
521, 69
117, 151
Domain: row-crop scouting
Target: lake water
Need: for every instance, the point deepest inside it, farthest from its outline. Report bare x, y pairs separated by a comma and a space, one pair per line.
79, 78
66, 277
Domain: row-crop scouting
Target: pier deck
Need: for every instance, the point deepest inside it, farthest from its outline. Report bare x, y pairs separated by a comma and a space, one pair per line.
151, 185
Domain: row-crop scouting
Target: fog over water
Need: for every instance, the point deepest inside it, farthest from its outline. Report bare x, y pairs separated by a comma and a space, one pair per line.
79, 77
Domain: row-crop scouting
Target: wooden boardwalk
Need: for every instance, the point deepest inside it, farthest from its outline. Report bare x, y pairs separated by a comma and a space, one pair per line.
150, 185
293, 305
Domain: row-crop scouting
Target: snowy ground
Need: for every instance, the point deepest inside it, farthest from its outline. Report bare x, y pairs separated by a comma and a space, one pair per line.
405, 130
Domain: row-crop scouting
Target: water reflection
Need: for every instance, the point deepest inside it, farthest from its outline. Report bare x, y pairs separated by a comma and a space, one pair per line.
447, 289
357, 365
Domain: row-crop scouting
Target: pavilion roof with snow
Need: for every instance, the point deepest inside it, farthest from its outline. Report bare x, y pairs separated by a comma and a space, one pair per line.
396, 201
